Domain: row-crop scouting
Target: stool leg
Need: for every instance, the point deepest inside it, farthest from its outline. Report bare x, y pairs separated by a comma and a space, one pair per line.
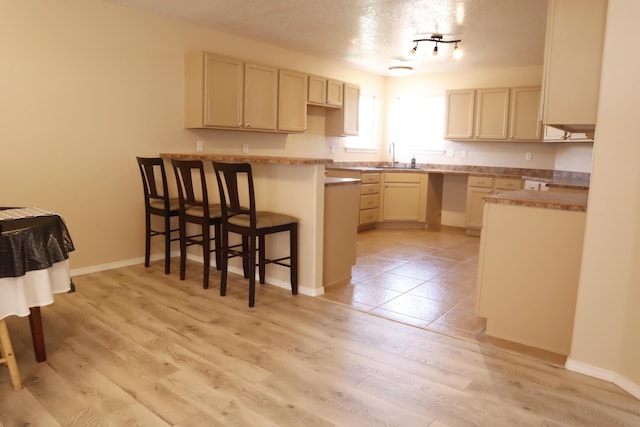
8, 356
293, 247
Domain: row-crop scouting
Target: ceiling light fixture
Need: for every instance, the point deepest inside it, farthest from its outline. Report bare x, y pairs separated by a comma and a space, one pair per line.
400, 70
437, 38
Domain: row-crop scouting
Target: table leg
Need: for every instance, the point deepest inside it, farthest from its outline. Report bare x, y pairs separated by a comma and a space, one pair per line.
37, 334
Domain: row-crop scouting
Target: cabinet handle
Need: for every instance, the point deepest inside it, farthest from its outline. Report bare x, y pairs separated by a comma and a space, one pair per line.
247, 125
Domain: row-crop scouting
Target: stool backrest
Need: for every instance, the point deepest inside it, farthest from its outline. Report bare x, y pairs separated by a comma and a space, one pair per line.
192, 185
154, 182
229, 177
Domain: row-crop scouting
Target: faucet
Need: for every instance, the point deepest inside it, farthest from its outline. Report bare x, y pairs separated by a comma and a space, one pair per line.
392, 151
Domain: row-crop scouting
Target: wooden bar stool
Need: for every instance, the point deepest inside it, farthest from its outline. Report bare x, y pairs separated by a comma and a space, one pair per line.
240, 216
8, 358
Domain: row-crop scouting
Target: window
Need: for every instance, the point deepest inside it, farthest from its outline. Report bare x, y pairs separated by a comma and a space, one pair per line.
366, 139
417, 123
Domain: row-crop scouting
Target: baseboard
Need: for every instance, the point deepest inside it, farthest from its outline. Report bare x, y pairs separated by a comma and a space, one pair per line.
313, 292
606, 375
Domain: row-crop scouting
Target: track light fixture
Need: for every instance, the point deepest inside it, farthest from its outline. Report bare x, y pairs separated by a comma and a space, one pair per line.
437, 38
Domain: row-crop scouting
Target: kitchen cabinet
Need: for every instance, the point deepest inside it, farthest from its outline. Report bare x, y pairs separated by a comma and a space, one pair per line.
214, 88
404, 197
292, 101
552, 134
572, 62
227, 93
459, 113
260, 98
493, 114
325, 92
478, 187
524, 123
369, 197
344, 121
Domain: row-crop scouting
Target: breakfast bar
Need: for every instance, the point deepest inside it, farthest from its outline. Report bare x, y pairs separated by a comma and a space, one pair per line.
290, 185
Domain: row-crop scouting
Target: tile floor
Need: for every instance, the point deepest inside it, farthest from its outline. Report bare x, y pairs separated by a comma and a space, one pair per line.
423, 278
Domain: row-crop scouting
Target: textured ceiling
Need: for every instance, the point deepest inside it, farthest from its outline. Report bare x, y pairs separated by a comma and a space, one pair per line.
374, 34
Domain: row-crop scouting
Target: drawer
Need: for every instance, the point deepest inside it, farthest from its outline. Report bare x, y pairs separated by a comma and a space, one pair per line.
402, 177
480, 181
368, 216
369, 201
370, 189
508, 184
370, 178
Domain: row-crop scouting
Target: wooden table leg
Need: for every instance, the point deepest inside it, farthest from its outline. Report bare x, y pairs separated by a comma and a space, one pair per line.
37, 334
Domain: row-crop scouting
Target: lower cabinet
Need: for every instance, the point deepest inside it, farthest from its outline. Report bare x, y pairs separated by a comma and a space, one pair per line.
404, 197
479, 186
369, 213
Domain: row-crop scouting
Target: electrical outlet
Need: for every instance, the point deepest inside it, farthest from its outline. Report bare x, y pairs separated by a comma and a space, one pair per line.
463, 154
527, 155
245, 148
448, 152
332, 148
199, 145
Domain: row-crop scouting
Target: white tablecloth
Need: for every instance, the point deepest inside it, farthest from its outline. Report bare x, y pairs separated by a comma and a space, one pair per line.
35, 289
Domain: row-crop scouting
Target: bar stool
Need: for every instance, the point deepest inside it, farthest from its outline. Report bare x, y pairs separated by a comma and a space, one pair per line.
8, 357
157, 202
251, 225
196, 209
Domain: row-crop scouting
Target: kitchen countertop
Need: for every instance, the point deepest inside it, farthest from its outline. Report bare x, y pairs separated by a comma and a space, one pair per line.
556, 179
246, 158
576, 202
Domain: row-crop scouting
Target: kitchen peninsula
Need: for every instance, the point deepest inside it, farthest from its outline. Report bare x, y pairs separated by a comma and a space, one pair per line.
529, 266
290, 185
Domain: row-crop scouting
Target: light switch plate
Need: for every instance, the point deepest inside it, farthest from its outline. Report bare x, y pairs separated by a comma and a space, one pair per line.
199, 145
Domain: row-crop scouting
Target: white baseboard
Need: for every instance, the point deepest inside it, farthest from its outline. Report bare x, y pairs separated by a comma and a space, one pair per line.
604, 374
314, 292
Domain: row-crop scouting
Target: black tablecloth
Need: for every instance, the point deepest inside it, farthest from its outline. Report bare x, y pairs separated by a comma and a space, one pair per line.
34, 243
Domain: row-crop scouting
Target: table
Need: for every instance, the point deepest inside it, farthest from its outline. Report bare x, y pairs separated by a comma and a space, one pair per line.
34, 253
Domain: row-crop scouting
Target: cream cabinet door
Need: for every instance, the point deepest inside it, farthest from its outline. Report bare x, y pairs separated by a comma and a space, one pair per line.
334, 93
344, 121
404, 197
523, 123
573, 56
492, 114
223, 91
260, 97
292, 101
317, 91
475, 206
459, 108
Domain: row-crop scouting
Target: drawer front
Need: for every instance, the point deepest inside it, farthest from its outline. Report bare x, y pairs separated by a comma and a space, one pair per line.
368, 216
401, 177
370, 189
369, 201
480, 181
508, 184
370, 178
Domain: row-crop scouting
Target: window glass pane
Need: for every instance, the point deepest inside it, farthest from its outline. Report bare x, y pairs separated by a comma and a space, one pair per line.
418, 123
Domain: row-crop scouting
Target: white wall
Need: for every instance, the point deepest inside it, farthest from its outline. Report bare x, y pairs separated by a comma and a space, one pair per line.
606, 341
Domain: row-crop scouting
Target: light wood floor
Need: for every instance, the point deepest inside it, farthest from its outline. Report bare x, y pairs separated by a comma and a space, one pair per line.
135, 347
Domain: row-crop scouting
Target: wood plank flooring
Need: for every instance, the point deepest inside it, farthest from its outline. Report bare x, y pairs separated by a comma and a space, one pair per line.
136, 347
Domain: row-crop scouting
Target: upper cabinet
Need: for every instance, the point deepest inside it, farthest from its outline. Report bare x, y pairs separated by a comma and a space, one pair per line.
325, 92
573, 57
493, 114
227, 93
344, 121
292, 101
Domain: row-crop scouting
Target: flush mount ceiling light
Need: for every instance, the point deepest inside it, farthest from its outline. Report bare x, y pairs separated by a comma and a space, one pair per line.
437, 38
400, 70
